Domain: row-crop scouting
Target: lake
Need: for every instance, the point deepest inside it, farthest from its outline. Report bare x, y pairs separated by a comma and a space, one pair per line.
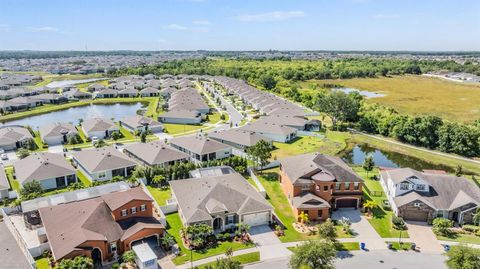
116, 111
64, 83
388, 159
366, 94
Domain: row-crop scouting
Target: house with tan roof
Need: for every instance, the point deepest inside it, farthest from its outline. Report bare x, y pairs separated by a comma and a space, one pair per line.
238, 138
155, 153
102, 164
102, 227
201, 149
275, 132
181, 116
57, 133
99, 127
423, 196
51, 170
315, 183
141, 124
14, 137
220, 201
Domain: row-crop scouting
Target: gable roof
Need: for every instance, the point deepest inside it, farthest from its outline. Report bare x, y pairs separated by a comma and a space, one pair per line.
12, 134
198, 144
200, 197
102, 159
240, 137
139, 121
98, 124
4, 184
155, 152
42, 165
315, 166
57, 129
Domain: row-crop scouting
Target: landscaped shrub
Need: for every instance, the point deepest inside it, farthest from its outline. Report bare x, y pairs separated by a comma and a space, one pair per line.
398, 222
471, 228
442, 226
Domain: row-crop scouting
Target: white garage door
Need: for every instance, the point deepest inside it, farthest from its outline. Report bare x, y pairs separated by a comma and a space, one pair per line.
257, 219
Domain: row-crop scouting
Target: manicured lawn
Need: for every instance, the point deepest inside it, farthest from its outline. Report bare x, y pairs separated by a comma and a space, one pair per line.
161, 195
42, 263
83, 178
180, 128
214, 117
279, 201
306, 144
14, 184
250, 180
243, 259
402, 246
462, 238
126, 135
341, 233
38, 141
348, 246
174, 227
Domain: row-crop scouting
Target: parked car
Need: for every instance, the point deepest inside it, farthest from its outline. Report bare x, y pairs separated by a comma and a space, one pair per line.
94, 140
4, 156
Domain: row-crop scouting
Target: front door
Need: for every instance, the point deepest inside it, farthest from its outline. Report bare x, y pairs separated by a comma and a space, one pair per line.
217, 224
455, 216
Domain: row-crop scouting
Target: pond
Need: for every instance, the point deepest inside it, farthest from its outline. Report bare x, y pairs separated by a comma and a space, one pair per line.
116, 111
389, 159
64, 83
366, 94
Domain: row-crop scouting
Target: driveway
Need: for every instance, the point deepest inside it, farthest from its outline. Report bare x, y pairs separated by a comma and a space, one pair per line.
55, 149
10, 254
422, 235
269, 245
362, 228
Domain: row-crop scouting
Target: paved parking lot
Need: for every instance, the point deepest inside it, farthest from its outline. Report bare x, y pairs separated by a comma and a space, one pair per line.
10, 254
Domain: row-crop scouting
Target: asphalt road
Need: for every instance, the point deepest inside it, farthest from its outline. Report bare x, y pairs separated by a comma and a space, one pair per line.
381, 259
235, 116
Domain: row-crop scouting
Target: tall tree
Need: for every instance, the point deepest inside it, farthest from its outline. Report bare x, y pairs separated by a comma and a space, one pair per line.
463, 257
261, 152
368, 164
339, 106
319, 254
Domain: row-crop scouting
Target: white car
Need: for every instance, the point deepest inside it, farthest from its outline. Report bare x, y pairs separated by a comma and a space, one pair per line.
4, 156
2, 151
94, 140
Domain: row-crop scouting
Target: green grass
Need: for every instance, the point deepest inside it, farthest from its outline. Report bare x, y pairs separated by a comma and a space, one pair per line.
418, 95
83, 178
180, 128
348, 246
269, 180
126, 135
341, 233
331, 145
403, 246
462, 238
161, 195
38, 141
42, 263
14, 184
174, 227
243, 259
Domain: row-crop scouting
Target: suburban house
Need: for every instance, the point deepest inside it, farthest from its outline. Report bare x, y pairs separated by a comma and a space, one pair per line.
14, 137
103, 227
51, 170
128, 92
155, 153
77, 94
315, 183
4, 184
106, 93
299, 123
149, 92
50, 98
201, 149
57, 133
95, 87
181, 117
19, 103
271, 130
99, 127
141, 123
423, 196
220, 201
101, 164
238, 138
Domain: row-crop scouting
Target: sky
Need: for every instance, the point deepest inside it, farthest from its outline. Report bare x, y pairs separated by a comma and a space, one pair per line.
420, 25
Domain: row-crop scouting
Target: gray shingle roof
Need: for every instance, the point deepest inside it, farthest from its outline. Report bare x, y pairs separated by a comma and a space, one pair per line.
198, 144
42, 165
12, 134
239, 136
102, 159
155, 152
98, 124
57, 129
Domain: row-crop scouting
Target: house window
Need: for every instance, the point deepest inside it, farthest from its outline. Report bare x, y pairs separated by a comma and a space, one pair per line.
113, 247
320, 213
420, 187
404, 186
124, 212
133, 210
337, 186
325, 188
356, 186
143, 208
416, 204
231, 219
102, 175
305, 187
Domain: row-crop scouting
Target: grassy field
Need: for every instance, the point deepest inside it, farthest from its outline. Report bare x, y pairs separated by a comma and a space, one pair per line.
462, 238
82, 178
174, 227
243, 259
14, 184
332, 144
418, 95
161, 195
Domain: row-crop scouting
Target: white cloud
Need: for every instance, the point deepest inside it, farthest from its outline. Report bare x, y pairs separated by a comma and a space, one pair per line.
43, 29
271, 16
4, 28
202, 22
386, 16
175, 26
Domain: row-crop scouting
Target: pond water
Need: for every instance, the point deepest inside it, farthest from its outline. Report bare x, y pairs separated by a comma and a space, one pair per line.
116, 111
366, 94
64, 83
388, 159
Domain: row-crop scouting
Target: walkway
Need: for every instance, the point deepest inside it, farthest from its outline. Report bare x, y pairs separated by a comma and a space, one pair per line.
268, 243
423, 236
362, 228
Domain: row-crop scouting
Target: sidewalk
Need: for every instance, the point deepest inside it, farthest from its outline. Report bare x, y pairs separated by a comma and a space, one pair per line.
214, 258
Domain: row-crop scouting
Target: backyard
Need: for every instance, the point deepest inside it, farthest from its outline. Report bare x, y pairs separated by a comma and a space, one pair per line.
175, 225
161, 195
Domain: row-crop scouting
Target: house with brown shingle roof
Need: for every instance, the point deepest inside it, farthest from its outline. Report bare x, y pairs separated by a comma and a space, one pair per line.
155, 153
102, 227
201, 149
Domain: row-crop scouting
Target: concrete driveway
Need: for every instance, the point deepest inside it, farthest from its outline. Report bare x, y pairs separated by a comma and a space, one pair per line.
269, 245
362, 229
422, 235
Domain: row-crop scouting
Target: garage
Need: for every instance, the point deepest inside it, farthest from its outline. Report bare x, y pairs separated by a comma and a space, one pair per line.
346, 203
415, 215
256, 219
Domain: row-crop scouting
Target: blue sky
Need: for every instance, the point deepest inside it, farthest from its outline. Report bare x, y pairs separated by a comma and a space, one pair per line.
240, 24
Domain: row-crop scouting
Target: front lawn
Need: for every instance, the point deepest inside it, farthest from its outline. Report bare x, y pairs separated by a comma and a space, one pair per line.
243, 259
307, 144
161, 195
347, 246
462, 238
403, 246
174, 225
269, 180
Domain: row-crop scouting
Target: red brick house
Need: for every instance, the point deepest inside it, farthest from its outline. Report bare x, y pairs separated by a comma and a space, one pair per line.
101, 228
316, 183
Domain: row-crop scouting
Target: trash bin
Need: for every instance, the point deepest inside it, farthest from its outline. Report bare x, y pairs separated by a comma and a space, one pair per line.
446, 247
362, 246
389, 245
414, 246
